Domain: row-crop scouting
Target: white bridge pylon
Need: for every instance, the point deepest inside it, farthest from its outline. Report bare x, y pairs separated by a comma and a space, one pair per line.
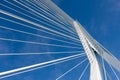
92, 49
54, 29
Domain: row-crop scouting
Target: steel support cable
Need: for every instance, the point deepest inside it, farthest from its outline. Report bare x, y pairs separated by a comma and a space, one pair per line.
59, 11
56, 8
32, 18
40, 30
44, 17
114, 72
104, 69
37, 66
52, 16
71, 69
51, 11
35, 29
57, 15
37, 43
83, 72
36, 35
40, 53
52, 7
25, 20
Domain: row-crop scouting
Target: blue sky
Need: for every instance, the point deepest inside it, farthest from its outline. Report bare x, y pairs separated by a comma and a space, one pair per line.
101, 18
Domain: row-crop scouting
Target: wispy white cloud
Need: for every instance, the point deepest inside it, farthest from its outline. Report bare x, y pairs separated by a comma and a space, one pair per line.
114, 5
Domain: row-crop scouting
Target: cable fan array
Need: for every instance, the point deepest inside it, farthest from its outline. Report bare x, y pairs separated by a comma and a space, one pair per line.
39, 33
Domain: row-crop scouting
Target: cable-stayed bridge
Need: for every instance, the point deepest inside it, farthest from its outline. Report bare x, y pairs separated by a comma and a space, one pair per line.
35, 34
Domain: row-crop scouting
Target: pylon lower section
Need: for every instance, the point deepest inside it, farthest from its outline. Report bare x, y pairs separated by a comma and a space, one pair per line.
95, 67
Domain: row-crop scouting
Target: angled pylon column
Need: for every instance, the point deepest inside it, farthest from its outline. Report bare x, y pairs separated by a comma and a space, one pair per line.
95, 64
